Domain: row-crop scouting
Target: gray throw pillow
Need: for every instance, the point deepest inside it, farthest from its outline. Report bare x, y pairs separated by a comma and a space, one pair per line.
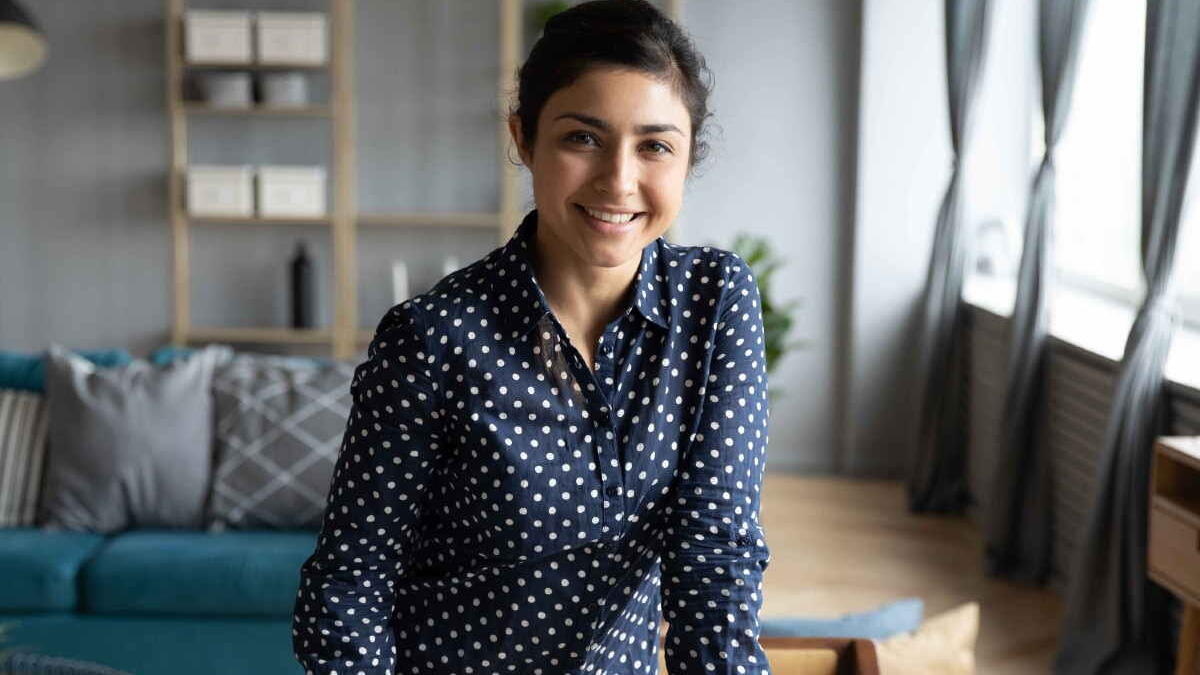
278, 432
130, 447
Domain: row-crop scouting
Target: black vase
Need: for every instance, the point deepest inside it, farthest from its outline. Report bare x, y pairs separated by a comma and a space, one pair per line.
304, 305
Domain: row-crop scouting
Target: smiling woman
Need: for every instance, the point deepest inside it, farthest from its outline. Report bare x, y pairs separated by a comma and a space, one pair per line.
562, 444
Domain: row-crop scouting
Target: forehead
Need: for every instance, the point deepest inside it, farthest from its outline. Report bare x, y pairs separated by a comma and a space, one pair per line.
622, 97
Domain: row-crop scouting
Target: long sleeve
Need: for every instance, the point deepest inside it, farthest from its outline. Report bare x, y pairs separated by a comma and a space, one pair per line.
715, 550
342, 619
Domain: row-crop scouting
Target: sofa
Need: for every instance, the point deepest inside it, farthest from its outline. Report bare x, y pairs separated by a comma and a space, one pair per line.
154, 601
214, 598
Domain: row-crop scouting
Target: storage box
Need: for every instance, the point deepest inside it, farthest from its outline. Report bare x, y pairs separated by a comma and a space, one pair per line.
211, 36
291, 191
292, 38
227, 90
287, 89
220, 191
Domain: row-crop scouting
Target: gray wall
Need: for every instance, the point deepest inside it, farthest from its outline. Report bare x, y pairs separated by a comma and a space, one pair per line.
786, 87
85, 246
903, 167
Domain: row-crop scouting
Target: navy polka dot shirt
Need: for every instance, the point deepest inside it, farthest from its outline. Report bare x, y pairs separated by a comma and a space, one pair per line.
500, 507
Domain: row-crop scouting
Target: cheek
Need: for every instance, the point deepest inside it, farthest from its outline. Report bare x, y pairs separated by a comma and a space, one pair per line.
667, 189
560, 173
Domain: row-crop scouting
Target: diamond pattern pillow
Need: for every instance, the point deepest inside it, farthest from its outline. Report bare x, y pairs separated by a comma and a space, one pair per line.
279, 428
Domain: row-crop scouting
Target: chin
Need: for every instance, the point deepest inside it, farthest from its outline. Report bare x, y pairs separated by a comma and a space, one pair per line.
613, 256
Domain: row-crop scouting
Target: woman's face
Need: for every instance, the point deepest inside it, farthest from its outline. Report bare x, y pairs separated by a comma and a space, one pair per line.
616, 141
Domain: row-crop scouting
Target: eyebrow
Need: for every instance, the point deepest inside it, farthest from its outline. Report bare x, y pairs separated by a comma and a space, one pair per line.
601, 124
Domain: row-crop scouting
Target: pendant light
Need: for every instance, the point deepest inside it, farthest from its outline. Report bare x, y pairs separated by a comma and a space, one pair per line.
22, 43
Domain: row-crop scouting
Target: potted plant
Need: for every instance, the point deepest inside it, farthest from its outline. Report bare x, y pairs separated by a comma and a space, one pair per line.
777, 318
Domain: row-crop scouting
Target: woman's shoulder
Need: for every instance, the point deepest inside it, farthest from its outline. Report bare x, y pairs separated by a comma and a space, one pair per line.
690, 267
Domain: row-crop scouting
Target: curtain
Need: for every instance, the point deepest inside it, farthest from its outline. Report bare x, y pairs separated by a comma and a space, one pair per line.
1017, 531
937, 478
1116, 620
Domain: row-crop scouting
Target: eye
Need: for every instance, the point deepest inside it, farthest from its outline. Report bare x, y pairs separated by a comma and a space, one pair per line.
665, 149
575, 136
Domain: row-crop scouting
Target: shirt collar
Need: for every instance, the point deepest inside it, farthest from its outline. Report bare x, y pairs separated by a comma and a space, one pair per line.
524, 303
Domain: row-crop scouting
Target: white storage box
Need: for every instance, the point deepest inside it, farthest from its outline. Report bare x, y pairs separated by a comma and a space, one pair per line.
285, 89
220, 191
291, 191
293, 38
211, 36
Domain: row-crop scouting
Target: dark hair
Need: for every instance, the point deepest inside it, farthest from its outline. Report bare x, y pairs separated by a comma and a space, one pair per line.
629, 34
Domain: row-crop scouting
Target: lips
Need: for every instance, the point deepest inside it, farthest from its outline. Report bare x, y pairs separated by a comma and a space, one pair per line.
604, 224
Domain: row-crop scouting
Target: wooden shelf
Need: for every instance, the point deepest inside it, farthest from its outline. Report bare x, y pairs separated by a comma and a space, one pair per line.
1173, 540
261, 335
344, 221
488, 220
1186, 509
195, 108
241, 220
221, 65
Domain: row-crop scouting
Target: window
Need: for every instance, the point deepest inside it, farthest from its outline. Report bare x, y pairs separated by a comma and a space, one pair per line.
1098, 202
1097, 216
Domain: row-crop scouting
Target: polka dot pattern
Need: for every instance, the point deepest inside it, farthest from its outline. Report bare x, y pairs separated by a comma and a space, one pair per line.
498, 506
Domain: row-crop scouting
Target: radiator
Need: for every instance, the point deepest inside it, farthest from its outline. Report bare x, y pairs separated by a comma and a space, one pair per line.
1078, 396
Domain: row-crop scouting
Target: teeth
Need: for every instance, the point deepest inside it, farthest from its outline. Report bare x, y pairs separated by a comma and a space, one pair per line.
610, 217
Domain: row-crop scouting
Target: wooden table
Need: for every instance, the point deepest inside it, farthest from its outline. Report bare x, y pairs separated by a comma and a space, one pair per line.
811, 656
1173, 549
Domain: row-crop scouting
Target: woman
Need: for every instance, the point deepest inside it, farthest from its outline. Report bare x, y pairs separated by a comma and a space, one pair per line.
571, 430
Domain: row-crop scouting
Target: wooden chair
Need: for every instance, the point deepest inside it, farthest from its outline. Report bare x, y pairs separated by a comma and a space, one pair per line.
810, 656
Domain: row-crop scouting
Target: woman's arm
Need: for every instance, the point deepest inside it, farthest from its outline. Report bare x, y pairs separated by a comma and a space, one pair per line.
342, 620
715, 552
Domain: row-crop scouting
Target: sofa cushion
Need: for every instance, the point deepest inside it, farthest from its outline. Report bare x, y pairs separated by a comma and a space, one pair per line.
278, 431
24, 417
39, 568
245, 573
130, 447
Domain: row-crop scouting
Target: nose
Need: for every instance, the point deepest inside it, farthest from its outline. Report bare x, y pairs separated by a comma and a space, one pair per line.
618, 173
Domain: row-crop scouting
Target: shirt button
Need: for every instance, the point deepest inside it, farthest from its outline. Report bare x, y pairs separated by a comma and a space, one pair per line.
613, 490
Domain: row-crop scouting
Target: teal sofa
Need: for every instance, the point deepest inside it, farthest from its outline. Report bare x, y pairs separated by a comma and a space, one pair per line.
155, 601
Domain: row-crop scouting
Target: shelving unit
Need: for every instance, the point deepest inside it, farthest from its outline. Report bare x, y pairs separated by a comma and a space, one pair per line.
343, 336
340, 336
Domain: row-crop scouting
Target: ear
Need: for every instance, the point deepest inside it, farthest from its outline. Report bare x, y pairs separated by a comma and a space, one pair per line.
518, 138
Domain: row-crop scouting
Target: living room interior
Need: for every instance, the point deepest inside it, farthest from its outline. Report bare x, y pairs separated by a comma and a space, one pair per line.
973, 225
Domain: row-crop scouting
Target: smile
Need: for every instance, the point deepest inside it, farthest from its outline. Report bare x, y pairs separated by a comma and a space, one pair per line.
609, 223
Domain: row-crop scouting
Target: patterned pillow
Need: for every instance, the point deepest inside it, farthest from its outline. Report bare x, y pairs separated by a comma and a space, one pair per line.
23, 424
279, 429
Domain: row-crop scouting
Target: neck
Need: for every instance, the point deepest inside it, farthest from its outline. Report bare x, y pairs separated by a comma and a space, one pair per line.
580, 294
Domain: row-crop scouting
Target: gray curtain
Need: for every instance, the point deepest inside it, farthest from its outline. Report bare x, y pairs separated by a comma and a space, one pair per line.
1116, 620
1017, 530
937, 469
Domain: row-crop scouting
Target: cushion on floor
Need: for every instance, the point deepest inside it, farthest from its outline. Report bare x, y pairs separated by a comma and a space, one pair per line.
895, 617
40, 568
248, 573
943, 645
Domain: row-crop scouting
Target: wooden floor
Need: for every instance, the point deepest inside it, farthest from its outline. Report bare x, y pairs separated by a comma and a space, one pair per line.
842, 545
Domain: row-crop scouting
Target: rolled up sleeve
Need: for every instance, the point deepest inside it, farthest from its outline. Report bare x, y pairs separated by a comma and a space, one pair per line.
715, 551
343, 613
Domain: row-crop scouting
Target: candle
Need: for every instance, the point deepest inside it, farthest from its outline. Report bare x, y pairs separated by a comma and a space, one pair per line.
399, 282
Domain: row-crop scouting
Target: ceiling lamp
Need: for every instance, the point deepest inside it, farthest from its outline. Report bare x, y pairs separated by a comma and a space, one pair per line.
22, 43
